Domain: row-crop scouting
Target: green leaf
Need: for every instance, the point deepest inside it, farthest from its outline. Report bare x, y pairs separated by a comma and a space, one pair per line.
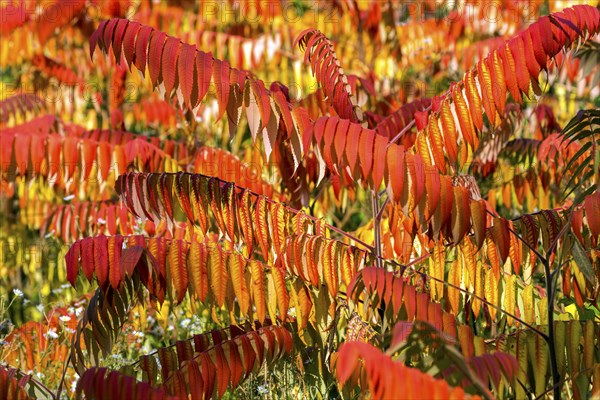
582, 261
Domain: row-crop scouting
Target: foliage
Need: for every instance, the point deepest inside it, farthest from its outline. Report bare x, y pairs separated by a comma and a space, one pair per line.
416, 215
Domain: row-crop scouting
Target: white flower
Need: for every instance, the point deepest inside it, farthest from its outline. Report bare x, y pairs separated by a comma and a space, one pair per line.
69, 197
185, 323
18, 292
101, 221
65, 318
74, 384
262, 389
40, 307
51, 334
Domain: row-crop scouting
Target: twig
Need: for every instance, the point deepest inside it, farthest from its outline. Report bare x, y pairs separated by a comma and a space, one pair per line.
537, 253
405, 129
542, 334
376, 228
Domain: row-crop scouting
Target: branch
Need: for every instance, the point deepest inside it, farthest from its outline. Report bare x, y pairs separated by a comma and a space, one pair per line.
542, 334
405, 129
537, 253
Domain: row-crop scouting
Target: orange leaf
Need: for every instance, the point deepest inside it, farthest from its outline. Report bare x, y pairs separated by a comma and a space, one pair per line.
237, 268
366, 151
178, 270
258, 290
197, 265
395, 177
381, 143
487, 91
461, 213
218, 274
501, 237
510, 72
478, 216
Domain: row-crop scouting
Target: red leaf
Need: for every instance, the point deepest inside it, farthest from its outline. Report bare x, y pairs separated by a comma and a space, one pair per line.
129, 42
108, 33
221, 80
185, 68
223, 371
141, 48
195, 380
130, 258
88, 257
501, 237
421, 119
249, 355
329, 134
340, 139
118, 38
169, 63
72, 262
155, 55
235, 363
208, 374
114, 247
410, 302
204, 64
98, 33
592, 213
101, 266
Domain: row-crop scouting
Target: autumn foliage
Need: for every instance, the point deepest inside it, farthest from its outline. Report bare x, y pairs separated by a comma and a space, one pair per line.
314, 199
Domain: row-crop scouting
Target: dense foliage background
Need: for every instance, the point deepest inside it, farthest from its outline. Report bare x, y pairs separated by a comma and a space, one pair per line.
299, 199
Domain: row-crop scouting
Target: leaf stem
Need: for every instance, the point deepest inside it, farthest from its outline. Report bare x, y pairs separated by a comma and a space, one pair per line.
376, 228
550, 338
534, 329
535, 251
405, 129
